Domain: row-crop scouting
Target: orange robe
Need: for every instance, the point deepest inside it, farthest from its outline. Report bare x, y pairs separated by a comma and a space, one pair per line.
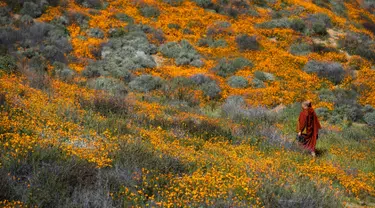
309, 125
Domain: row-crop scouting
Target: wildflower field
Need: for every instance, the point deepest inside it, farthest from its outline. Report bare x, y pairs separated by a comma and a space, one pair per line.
185, 103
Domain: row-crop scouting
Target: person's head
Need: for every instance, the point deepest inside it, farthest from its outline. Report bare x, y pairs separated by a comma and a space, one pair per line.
306, 104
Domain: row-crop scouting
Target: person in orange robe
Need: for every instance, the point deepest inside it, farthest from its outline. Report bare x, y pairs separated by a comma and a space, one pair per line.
308, 127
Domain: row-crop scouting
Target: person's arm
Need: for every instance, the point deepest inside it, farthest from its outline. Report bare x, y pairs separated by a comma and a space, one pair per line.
301, 123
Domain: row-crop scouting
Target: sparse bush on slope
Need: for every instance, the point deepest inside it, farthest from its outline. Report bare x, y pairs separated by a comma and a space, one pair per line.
333, 71
31, 9
212, 43
300, 49
257, 83
95, 4
317, 24
303, 193
237, 82
63, 72
173, 2
123, 54
8, 63
111, 85
264, 76
149, 11
211, 89
370, 118
183, 53
124, 17
227, 67
246, 42
358, 44
145, 83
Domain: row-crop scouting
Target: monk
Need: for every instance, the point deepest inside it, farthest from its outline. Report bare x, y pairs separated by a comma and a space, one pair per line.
308, 127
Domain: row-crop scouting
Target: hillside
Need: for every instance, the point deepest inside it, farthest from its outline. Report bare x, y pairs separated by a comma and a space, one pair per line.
185, 103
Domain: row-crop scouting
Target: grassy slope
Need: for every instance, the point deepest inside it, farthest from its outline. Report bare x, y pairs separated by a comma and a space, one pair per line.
147, 152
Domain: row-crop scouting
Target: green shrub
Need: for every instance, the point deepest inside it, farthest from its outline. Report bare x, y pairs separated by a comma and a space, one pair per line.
347, 112
203, 3
211, 89
333, 71
170, 49
318, 24
183, 53
246, 42
31, 9
300, 49
62, 72
264, 76
145, 83
303, 193
125, 18
321, 3
209, 42
200, 79
358, 44
322, 112
123, 54
8, 63
338, 7
174, 26
242, 62
173, 2
219, 28
51, 175
187, 31
297, 24
149, 11
370, 118
237, 82
52, 53
357, 133
368, 109
95, 4
257, 83
276, 23
227, 67
327, 95
113, 86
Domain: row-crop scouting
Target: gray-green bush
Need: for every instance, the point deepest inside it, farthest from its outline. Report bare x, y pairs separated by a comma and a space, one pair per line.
149, 11
246, 42
333, 71
8, 63
300, 49
257, 83
173, 2
227, 67
318, 24
123, 54
211, 89
237, 82
358, 44
111, 85
63, 72
264, 76
31, 9
145, 83
183, 53
212, 43
370, 118
95, 4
